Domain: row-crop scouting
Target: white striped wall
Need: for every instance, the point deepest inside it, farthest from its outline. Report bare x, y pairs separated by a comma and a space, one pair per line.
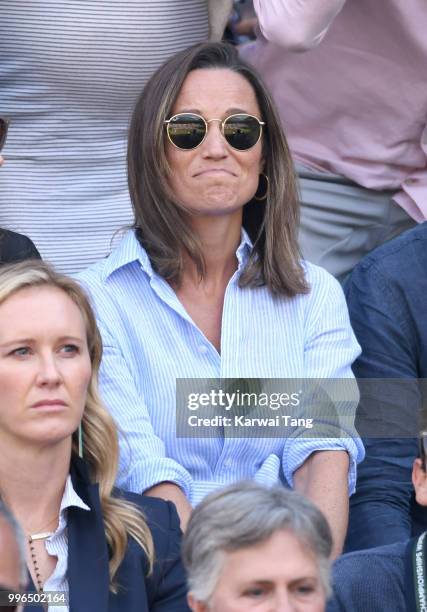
70, 72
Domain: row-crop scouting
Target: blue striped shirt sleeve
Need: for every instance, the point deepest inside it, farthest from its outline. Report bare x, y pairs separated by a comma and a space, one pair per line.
143, 460
330, 349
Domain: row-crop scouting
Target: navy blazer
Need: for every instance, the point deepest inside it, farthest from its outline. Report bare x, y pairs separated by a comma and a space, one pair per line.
371, 580
88, 579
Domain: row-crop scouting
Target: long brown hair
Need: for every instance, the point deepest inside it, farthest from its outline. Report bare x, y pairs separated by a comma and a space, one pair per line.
101, 449
161, 221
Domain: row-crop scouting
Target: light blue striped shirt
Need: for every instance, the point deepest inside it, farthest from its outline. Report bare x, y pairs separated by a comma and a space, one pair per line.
150, 341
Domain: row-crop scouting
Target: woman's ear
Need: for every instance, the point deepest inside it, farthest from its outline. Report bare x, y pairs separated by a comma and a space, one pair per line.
419, 480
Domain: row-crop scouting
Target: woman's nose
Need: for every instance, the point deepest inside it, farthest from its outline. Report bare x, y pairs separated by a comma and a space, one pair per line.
48, 373
215, 145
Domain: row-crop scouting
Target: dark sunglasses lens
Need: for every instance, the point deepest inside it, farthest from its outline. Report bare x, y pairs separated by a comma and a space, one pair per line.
186, 131
242, 131
3, 132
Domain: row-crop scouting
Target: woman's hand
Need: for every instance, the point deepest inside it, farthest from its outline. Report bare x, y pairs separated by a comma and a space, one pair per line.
172, 492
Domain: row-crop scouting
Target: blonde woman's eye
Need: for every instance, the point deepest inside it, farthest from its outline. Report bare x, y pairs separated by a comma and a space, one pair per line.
70, 349
21, 351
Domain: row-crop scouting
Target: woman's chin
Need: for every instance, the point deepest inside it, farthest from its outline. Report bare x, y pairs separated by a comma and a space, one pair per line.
217, 204
51, 436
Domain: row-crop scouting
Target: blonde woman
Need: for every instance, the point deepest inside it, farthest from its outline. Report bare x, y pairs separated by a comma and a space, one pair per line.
99, 548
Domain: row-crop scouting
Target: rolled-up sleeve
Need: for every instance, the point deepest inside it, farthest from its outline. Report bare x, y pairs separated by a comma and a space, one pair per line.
331, 348
143, 460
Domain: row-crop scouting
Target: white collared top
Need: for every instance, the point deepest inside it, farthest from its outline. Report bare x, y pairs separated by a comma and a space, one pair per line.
57, 545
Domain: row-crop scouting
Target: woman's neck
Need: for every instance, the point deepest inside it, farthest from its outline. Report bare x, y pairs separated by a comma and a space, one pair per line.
219, 238
32, 481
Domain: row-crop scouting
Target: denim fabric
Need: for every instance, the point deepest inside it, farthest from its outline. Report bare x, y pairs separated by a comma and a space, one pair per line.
387, 300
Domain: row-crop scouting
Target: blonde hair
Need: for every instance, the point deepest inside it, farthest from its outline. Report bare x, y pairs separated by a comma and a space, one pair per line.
101, 448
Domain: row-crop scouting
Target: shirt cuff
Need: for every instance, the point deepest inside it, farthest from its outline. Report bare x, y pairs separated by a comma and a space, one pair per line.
147, 474
297, 451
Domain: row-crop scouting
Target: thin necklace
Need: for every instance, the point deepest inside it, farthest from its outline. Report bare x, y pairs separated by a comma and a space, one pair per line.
33, 537
42, 535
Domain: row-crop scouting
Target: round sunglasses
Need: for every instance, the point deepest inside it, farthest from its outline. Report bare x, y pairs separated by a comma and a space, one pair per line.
188, 130
3, 131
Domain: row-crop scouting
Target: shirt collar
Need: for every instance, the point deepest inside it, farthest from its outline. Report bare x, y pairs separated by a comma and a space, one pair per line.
244, 249
130, 250
70, 498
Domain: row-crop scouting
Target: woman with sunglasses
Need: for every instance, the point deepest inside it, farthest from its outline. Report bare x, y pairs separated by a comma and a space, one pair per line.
210, 284
13, 246
89, 547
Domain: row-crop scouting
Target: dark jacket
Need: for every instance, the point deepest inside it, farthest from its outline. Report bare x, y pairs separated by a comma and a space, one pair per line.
88, 579
370, 581
386, 296
15, 247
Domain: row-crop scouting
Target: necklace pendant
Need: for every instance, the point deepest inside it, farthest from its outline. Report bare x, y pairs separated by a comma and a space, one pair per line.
39, 536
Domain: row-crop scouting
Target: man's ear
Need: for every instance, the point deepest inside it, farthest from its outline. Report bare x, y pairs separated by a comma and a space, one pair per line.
419, 480
195, 606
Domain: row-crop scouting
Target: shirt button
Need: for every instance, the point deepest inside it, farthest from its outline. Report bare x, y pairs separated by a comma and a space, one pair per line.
227, 463
203, 349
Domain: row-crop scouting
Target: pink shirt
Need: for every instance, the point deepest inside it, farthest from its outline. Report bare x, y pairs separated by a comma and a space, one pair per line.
350, 80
